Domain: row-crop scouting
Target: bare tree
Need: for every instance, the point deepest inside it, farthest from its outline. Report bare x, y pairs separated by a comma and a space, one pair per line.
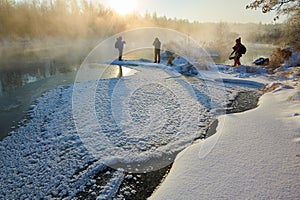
292, 31
282, 7
291, 8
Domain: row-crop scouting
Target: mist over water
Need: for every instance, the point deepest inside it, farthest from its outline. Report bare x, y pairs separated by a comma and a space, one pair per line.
43, 44
29, 69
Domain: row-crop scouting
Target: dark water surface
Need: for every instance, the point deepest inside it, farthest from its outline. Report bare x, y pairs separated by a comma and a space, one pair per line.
20, 87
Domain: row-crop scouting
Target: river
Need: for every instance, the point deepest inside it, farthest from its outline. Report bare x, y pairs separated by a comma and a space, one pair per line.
20, 87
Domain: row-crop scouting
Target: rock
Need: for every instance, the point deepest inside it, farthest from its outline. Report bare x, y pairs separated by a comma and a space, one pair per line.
262, 61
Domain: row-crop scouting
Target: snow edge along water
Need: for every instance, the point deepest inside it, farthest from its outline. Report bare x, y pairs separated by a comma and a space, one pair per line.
44, 144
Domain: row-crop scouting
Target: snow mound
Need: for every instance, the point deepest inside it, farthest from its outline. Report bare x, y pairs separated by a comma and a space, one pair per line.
186, 69
293, 61
258, 159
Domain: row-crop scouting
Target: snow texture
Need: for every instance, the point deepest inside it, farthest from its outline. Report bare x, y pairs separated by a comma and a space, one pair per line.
256, 156
73, 132
57, 153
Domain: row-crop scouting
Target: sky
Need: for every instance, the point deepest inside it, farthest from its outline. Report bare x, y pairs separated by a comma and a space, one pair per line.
203, 10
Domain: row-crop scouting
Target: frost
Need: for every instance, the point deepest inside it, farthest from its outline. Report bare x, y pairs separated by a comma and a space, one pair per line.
49, 157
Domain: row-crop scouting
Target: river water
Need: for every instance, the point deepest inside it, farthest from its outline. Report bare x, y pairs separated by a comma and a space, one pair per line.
20, 87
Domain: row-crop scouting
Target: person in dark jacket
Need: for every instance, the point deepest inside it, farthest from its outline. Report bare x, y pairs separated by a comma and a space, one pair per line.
120, 45
237, 52
156, 45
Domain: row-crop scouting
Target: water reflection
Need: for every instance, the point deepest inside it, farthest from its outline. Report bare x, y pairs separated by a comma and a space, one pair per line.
13, 78
20, 87
120, 72
117, 71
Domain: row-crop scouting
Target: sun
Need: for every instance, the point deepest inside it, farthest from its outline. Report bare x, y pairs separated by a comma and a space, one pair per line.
123, 7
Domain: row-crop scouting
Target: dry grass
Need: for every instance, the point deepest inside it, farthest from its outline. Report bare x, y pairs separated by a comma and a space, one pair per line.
278, 57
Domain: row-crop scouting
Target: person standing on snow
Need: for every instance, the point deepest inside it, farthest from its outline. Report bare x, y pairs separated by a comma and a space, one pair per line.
237, 49
120, 45
156, 45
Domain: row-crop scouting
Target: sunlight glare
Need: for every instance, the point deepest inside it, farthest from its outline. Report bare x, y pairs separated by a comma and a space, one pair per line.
123, 7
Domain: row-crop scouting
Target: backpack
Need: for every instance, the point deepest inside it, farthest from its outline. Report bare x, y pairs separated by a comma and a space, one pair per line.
243, 49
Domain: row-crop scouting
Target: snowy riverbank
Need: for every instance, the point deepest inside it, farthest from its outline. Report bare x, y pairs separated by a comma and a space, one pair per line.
253, 155
134, 124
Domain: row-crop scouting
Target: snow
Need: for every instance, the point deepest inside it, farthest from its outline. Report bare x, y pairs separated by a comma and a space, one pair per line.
253, 155
73, 132
294, 60
110, 191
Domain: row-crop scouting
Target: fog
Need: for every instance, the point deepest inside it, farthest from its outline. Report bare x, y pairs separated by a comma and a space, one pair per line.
46, 42
47, 37
50, 37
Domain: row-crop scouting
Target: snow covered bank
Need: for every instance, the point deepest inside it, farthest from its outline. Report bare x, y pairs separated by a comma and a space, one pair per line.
256, 156
149, 115
134, 122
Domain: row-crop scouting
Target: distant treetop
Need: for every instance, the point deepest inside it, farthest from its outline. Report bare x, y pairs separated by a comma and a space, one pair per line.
282, 7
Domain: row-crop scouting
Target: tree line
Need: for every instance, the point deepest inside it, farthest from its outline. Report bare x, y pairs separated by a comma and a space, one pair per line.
291, 8
83, 18
80, 19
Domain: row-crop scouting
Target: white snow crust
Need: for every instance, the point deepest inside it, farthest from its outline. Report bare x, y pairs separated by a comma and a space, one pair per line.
253, 155
71, 133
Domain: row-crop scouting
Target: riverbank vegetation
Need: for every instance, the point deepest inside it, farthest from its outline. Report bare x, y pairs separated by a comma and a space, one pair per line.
31, 27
